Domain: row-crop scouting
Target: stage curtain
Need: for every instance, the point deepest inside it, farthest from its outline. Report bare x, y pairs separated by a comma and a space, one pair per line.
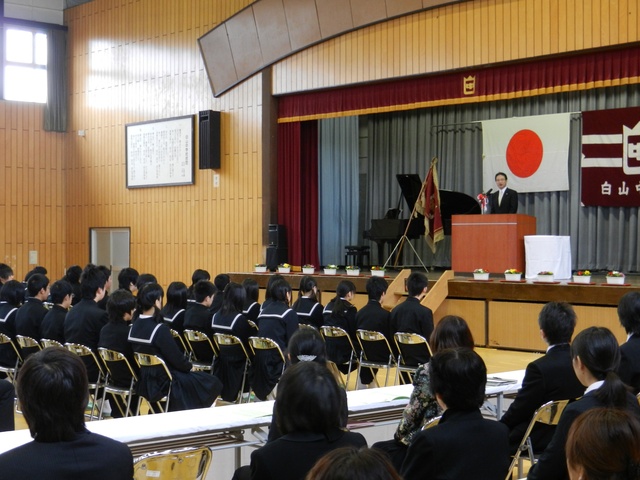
339, 188
298, 189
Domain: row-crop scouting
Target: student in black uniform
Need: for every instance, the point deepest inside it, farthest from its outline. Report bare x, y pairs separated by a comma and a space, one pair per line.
31, 313
278, 321
6, 273
411, 316
149, 334
198, 317
174, 310
107, 286
251, 308
198, 274
629, 315
308, 306
221, 281
72, 275
127, 279
372, 316
53, 322
11, 297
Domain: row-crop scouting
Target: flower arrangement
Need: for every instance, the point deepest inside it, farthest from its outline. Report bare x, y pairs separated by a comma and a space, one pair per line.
480, 270
512, 271
330, 269
615, 277
353, 270
583, 273
308, 265
512, 275
377, 267
615, 273
582, 276
331, 266
260, 268
377, 271
284, 268
308, 269
545, 272
545, 276
480, 274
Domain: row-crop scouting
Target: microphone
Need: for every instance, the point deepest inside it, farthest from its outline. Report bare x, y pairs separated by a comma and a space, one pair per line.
489, 192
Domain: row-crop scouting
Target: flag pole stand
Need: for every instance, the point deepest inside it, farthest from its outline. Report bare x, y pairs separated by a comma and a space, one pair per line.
404, 238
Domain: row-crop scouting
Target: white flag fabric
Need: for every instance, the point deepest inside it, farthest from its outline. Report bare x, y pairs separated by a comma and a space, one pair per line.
532, 151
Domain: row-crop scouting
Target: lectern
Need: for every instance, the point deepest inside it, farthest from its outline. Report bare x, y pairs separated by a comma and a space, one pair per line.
493, 242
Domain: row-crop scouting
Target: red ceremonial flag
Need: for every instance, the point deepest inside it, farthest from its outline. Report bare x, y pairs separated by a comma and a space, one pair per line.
611, 158
532, 151
429, 205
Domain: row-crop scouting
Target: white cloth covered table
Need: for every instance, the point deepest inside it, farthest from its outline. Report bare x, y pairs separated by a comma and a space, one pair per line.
549, 253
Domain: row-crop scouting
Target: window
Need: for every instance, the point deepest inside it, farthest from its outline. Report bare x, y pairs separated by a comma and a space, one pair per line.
25, 64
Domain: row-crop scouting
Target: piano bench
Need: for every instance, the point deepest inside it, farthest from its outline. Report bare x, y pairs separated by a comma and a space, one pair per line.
356, 254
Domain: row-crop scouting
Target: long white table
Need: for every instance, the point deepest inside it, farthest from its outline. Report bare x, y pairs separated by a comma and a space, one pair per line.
224, 427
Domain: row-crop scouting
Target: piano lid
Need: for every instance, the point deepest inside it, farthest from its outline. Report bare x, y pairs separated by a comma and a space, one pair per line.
410, 184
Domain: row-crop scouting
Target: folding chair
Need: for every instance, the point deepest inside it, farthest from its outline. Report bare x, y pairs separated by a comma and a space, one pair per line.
203, 353
231, 354
338, 344
89, 358
375, 353
181, 464
548, 414
148, 360
28, 345
267, 366
117, 366
180, 342
414, 351
431, 423
7, 343
48, 342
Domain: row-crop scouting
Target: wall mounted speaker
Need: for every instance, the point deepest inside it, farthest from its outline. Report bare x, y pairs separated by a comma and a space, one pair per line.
209, 131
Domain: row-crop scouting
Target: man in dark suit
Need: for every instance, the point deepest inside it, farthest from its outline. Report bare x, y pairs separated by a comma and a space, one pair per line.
463, 444
30, 315
629, 315
505, 200
410, 316
548, 378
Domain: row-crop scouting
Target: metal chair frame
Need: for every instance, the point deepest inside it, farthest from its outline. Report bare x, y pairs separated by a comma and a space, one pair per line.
149, 360
404, 338
224, 340
264, 343
84, 351
180, 342
329, 334
193, 337
111, 356
25, 343
431, 423
365, 339
181, 464
11, 372
48, 342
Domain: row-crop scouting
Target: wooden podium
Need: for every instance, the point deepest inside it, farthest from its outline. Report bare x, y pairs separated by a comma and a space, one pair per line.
493, 242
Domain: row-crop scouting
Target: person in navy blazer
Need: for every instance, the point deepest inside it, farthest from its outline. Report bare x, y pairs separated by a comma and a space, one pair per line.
509, 201
629, 315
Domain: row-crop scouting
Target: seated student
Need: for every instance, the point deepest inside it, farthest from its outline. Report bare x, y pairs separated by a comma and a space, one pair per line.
53, 322
463, 444
84, 322
277, 320
350, 463
550, 377
149, 334
7, 401
173, 312
6, 273
411, 316
115, 336
267, 293
198, 274
11, 297
127, 279
231, 321
596, 357
451, 332
37, 269
372, 316
629, 315
72, 275
604, 443
106, 271
145, 278
251, 308
198, 317
221, 281
309, 410
31, 313
308, 306
53, 393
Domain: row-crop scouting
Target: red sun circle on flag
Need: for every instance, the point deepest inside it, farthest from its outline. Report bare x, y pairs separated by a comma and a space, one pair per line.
524, 153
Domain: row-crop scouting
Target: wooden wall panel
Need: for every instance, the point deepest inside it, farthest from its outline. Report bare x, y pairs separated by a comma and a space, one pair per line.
473, 311
139, 61
467, 34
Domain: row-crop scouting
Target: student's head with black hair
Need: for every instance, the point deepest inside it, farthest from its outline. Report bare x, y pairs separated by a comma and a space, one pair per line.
252, 289
221, 281
38, 269
272, 279
451, 332
127, 279
92, 282
6, 273
120, 306
72, 275
557, 320
199, 274
417, 284
629, 312
145, 278
376, 288
203, 292
106, 271
351, 463
458, 378
13, 293
308, 288
177, 295
307, 345
234, 297
38, 286
281, 291
61, 293
309, 400
149, 299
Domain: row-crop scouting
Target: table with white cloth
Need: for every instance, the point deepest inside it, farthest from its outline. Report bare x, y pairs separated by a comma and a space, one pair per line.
549, 253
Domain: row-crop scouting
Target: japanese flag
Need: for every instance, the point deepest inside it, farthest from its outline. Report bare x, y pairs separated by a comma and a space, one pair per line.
532, 151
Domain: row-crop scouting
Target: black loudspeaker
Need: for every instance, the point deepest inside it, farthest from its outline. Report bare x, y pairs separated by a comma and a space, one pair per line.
277, 236
209, 130
276, 256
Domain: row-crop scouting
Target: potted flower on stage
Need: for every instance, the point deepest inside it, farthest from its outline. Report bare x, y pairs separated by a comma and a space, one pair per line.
353, 271
615, 278
480, 274
284, 268
260, 268
377, 271
330, 269
545, 276
512, 275
308, 269
582, 276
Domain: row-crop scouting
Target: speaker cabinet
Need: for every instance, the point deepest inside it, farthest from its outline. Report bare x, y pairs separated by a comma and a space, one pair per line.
276, 256
277, 236
209, 131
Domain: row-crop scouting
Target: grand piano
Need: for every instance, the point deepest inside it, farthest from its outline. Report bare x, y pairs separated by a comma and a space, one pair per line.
390, 229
